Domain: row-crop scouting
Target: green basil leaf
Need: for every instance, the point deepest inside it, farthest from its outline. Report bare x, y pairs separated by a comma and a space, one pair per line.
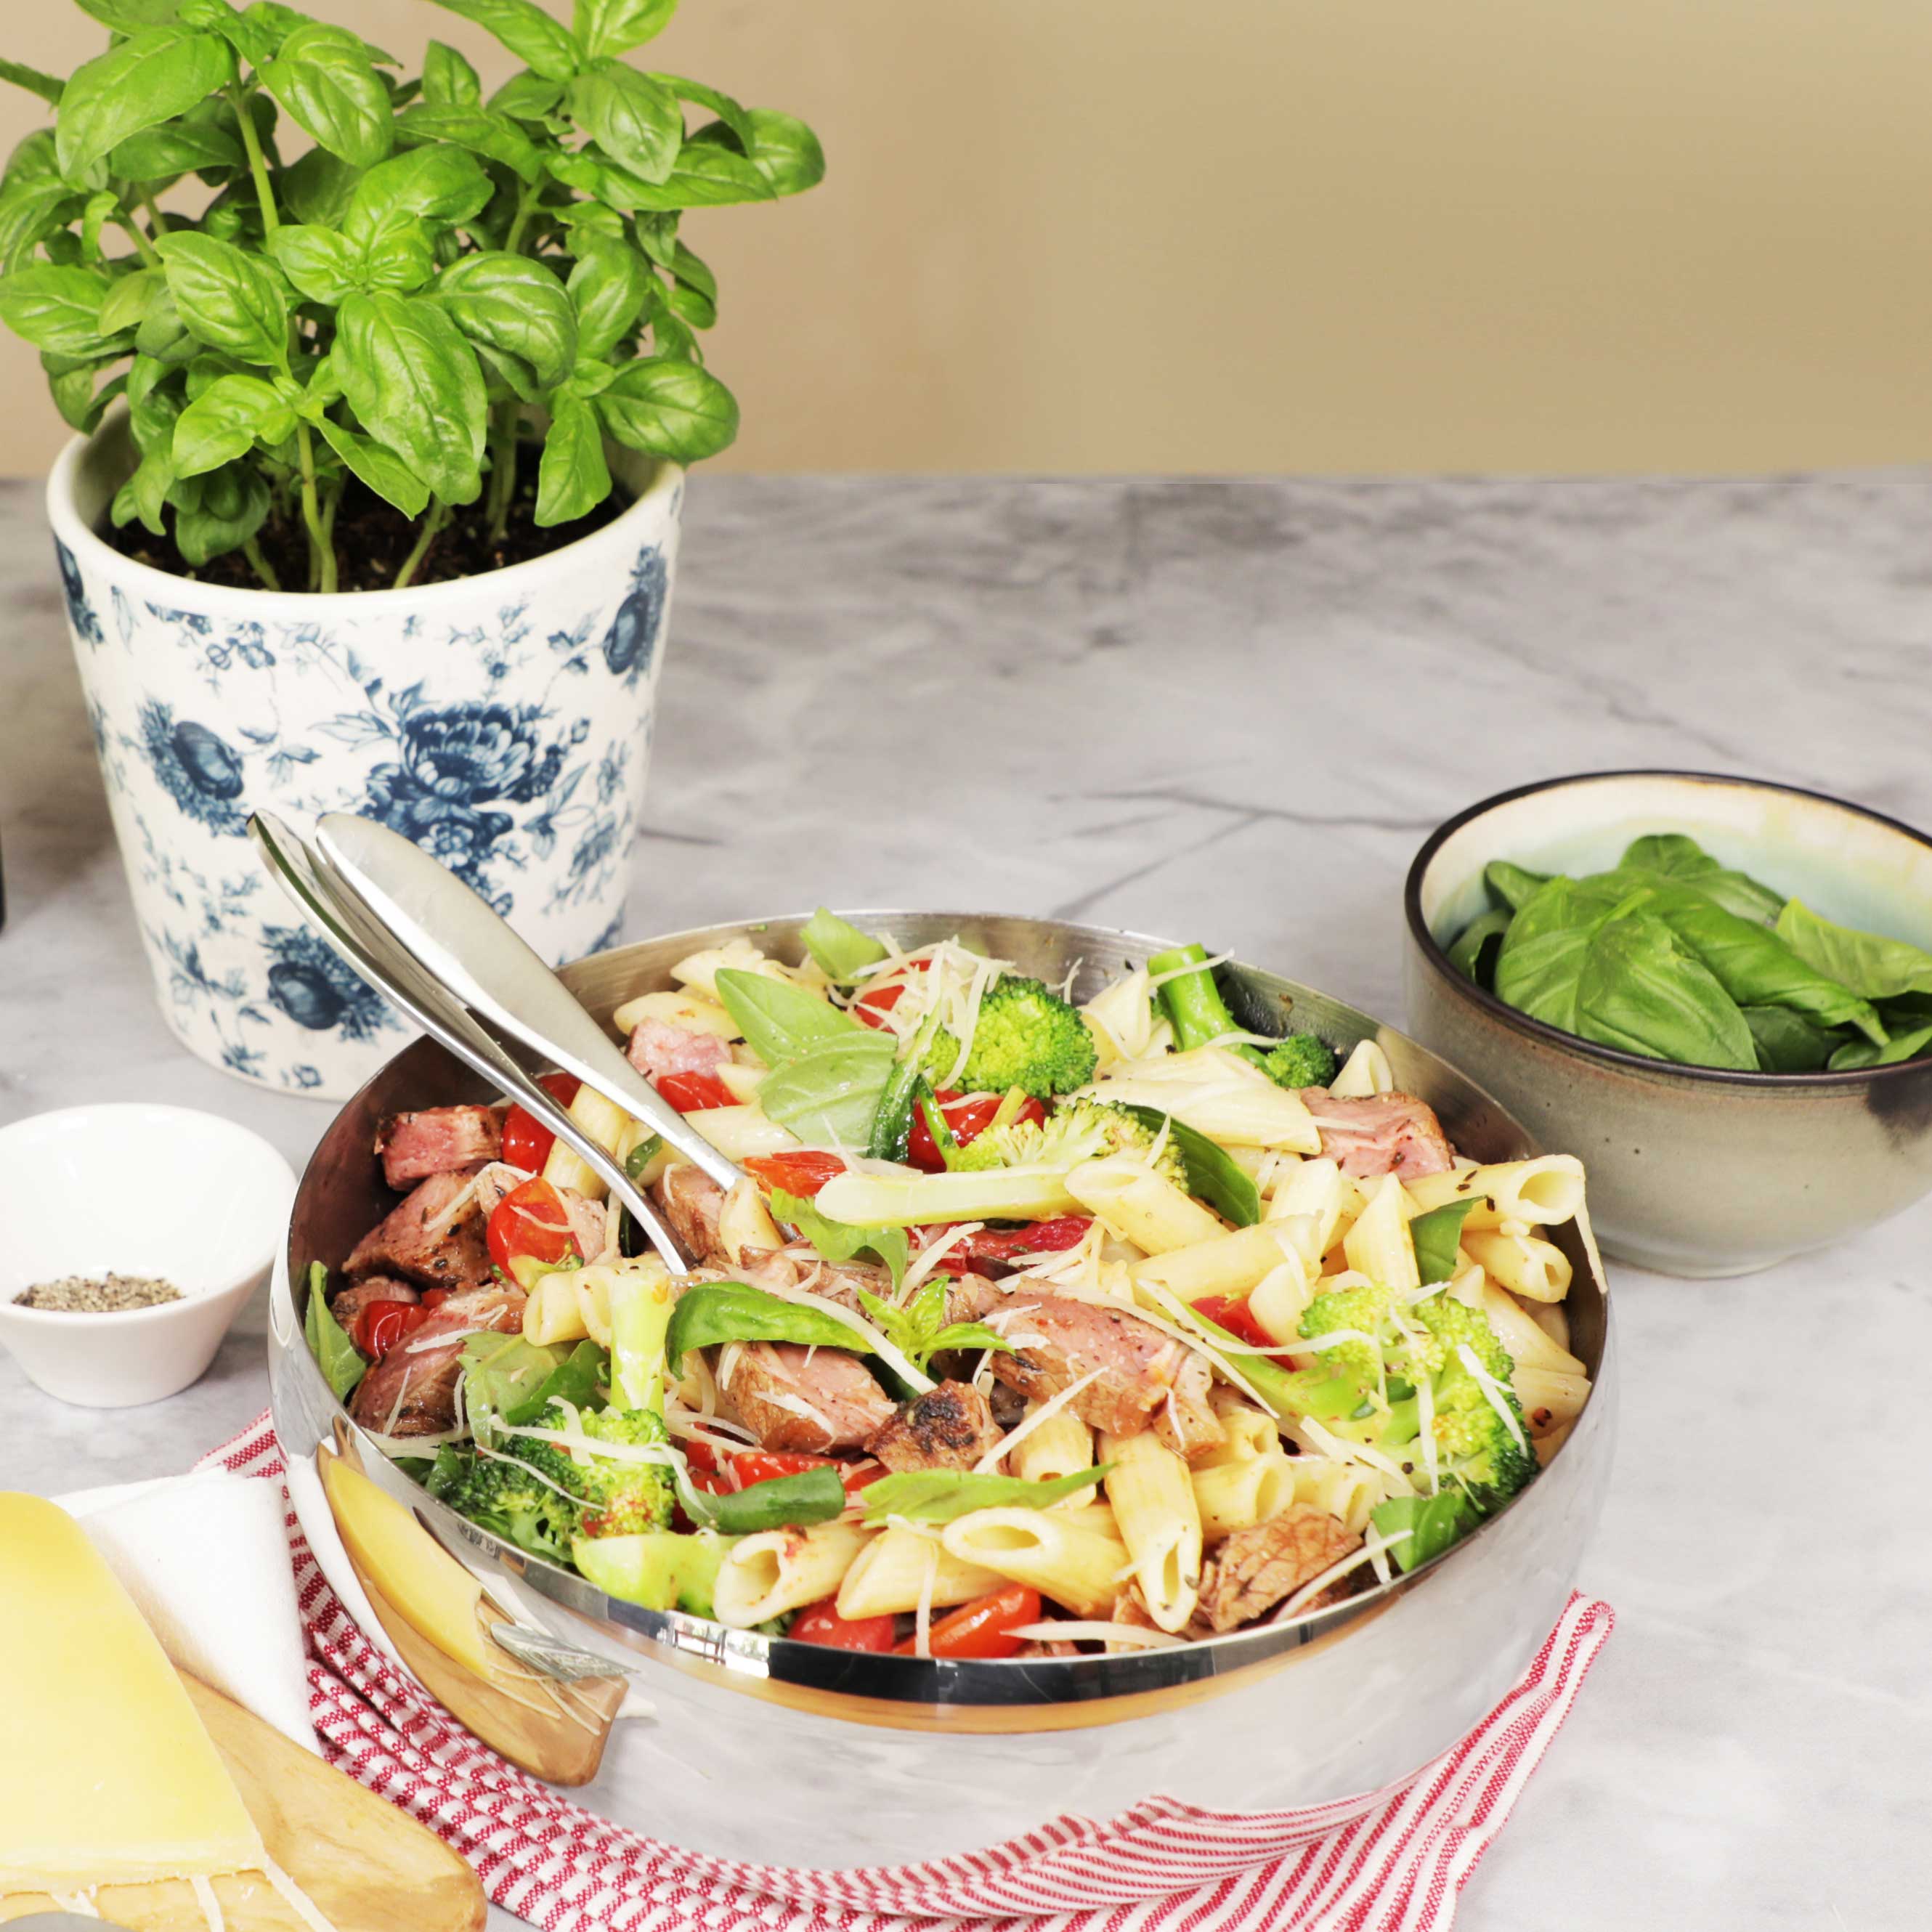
669, 409
321, 75
811, 1496
322, 265
615, 26
233, 505
1787, 1042
81, 405
448, 80
1474, 953
1436, 1235
782, 148
1641, 990
1675, 854
403, 258
45, 84
839, 1241
704, 175
318, 188
385, 472
588, 379
1213, 1174
156, 75
226, 420
690, 307
55, 308
342, 1367
255, 39
495, 136
227, 298
530, 33
735, 116
1873, 967
940, 1496
511, 372
516, 305
637, 123
781, 1021
414, 385
31, 209
179, 148
840, 950
144, 494
1434, 1523
572, 478
1512, 884
1862, 1053
440, 184
832, 1092
508, 1379
127, 303
131, 16
608, 287
527, 97
728, 1311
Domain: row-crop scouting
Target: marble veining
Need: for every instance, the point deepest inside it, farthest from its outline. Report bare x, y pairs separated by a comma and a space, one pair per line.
1231, 710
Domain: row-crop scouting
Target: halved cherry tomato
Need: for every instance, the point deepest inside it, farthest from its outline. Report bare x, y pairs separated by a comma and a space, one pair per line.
821, 1623
1232, 1312
803, 1173
434, 1297
530, 1220
379, 1326
998, 1245
689, 1093
526, 1140
983, 1627
969, 1115
870, 1009
767, 1465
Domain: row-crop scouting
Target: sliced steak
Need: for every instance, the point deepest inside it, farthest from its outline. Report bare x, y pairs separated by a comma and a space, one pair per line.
658, 1047
434, 1239
439, 1140
589, 1223
1057, 1340
948, 1427
1187, 1422
814, 1399
691, 1201
1254, 1569
1379, 1133
351, 1301
493, 1182
412, 1390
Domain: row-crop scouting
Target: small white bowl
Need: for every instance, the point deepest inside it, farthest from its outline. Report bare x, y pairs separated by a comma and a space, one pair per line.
132, 1189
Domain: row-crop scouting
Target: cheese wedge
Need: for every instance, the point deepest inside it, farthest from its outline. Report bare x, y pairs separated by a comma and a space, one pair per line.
106, 1774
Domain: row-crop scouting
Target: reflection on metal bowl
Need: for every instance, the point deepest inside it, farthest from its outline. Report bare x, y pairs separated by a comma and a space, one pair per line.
793, 1753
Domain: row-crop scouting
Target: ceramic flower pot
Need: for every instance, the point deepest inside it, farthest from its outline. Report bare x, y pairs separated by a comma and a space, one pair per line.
503, 721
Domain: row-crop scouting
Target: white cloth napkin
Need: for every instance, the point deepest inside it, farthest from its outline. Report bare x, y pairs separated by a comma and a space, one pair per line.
205, 1558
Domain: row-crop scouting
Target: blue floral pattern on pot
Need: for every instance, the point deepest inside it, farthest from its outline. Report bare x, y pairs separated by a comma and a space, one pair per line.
502, 723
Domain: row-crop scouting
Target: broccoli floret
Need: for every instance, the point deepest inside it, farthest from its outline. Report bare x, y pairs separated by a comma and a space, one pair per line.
1301, 1060
1026, 1036
1077, 1130
1201, 1017
508, 1499
622, 1499
1479, 1452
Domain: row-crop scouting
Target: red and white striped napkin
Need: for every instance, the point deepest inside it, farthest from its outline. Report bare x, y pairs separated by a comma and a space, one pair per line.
1164, 1866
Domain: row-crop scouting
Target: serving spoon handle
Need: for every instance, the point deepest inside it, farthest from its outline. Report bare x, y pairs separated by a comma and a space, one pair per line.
462, 942
333, 906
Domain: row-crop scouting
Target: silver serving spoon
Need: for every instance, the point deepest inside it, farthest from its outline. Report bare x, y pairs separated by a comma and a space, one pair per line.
462, 943
351, 927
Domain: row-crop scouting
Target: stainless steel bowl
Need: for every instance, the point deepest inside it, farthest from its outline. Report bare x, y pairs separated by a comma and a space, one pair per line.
937, 1758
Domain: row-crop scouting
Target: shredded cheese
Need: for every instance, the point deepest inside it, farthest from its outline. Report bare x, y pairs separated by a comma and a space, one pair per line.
1493, 1391
210, 1906
1033, 1420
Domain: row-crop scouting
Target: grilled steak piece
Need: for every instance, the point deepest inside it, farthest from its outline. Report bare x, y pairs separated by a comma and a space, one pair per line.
658, 1047
349, 1302
1379, 1133
438, 1140
434, 1239
815, 1400
948, 1427
1187, 1422
1254, 1569
691, 1201
415, 1383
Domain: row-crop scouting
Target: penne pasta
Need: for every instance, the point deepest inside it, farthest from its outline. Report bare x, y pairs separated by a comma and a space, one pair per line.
574, 1304
1123, 1021
893, 1572
741, 1131
1550, 1398
1520, 1263
742, 1082
1540, 1192
1218, 1094
1550, 1318
1316, 1189
1280, 1299
1075, 1557
744, 1227
1367, 1071
1142, 1207
1346, 1491
779, 1570
1238, 1495
603, 1121
1247, 1432
1061, 1446
1224, 1264
1378, 1244
1528, 1346
693, 1012
1152, 1497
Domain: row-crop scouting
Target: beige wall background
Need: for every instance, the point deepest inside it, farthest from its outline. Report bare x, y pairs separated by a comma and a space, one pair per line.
1314, 236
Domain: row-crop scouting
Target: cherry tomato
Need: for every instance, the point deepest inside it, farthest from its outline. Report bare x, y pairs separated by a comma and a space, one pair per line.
969, 1115
983, 1627
803, 1173
434, 1297
870, 1009
767, 1465
379, 1326
689, 1093
526, 1140
530, 1220
1233, 1314
997, 1245
821, 1623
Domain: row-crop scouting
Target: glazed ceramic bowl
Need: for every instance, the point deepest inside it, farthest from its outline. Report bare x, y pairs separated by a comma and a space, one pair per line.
1693, 1170
932, 1757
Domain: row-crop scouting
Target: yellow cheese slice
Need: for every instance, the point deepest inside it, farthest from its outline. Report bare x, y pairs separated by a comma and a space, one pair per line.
427, 1587
106, 1774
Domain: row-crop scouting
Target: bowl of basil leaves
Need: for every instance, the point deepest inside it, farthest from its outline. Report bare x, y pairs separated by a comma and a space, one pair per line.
1717, 990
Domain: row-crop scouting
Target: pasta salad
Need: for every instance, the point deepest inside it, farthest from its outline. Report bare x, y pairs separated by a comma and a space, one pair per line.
1032, 1328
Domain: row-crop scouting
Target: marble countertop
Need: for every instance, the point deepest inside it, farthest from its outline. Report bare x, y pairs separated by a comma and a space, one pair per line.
1232, 710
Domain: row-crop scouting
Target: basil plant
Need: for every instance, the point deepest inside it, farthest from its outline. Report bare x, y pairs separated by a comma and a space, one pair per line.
389, 276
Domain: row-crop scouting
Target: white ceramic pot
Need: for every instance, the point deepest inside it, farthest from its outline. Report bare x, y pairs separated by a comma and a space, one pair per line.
503, 722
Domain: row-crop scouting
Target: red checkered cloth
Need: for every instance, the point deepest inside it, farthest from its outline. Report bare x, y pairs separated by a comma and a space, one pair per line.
1164, 1866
